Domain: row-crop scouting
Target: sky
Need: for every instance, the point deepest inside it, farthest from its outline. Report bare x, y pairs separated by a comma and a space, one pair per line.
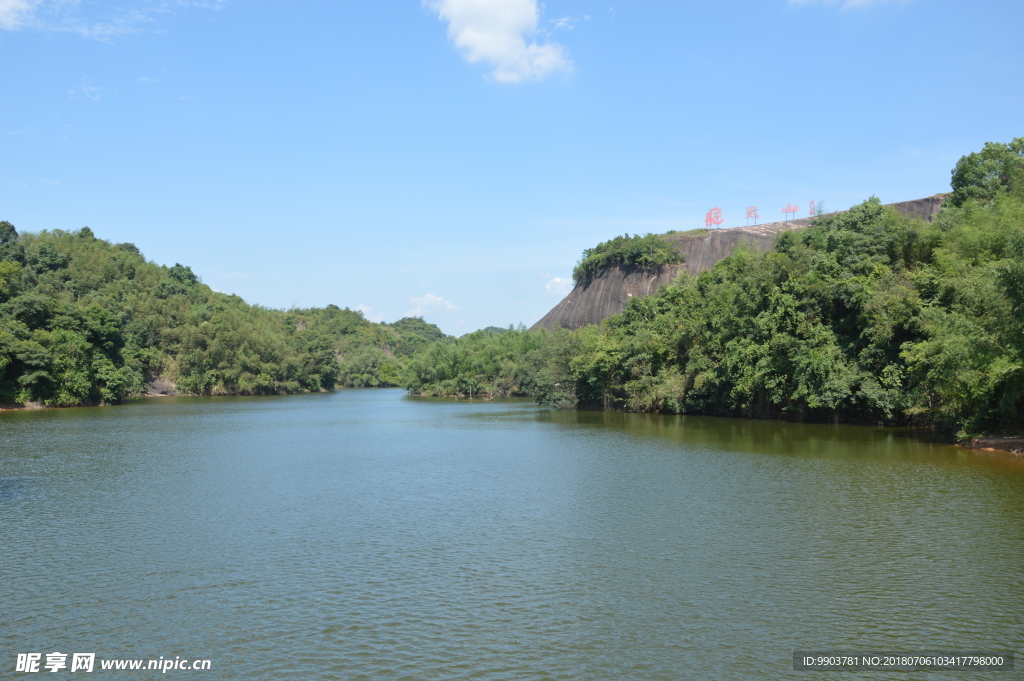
451, 159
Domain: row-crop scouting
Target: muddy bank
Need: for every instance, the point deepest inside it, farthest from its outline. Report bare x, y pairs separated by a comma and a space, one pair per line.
1013, 446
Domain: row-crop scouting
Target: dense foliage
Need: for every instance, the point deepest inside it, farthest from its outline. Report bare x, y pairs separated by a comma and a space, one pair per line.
83, 321
983, 175
497, 362
644, 252
865, 316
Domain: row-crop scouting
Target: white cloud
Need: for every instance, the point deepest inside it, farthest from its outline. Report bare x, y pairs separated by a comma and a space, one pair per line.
496, 32
430, 303
85, 89
559, 287
92, 20
16, 13
366, 310
568, 23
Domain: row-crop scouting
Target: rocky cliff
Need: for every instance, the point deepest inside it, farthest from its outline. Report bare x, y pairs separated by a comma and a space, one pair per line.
599, 297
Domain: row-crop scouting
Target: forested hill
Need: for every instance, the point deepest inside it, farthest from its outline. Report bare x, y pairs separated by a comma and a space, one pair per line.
866, 316
84, 321
627, 267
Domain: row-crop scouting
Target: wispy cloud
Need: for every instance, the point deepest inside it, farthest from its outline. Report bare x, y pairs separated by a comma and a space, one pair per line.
366, 310
428, 302
496, 32
559, 286
568, 23
14, 14
84, 89
92, 20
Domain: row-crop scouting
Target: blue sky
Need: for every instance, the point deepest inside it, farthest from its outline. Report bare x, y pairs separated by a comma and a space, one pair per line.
452, 159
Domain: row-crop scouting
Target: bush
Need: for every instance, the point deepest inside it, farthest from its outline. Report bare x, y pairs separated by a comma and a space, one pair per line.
644, 252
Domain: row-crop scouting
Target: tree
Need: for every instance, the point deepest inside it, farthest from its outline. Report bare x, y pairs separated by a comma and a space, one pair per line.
10, 276
7, 232
10, 248
984, 174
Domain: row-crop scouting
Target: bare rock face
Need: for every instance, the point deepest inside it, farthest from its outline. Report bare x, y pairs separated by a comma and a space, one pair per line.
159, 387
927, 209
598, 298
594, 300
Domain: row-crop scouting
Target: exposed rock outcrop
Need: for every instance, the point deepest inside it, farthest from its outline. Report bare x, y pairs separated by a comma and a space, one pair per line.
160, 387
598, 298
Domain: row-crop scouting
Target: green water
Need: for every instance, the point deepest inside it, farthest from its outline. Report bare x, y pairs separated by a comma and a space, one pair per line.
364, 534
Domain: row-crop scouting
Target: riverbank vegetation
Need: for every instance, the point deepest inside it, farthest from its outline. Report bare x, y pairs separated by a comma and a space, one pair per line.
865, 316
84, 321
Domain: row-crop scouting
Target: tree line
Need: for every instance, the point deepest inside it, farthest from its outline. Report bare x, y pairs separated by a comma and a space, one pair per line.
86, 322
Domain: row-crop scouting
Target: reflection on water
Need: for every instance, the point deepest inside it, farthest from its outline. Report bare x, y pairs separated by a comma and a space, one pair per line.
765, 436
365, 534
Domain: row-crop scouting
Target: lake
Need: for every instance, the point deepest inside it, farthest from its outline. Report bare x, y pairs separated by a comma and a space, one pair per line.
365, 534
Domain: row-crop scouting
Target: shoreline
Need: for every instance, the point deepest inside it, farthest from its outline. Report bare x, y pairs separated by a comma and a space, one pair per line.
1012, 446
1008, 446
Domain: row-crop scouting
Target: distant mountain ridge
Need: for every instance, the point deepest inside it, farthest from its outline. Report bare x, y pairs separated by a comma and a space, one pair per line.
595, 299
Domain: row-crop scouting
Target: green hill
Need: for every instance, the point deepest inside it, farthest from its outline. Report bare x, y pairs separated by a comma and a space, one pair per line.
866, 316
86, 322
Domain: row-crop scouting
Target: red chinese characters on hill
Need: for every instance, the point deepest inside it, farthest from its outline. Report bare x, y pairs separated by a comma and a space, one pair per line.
713, 218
